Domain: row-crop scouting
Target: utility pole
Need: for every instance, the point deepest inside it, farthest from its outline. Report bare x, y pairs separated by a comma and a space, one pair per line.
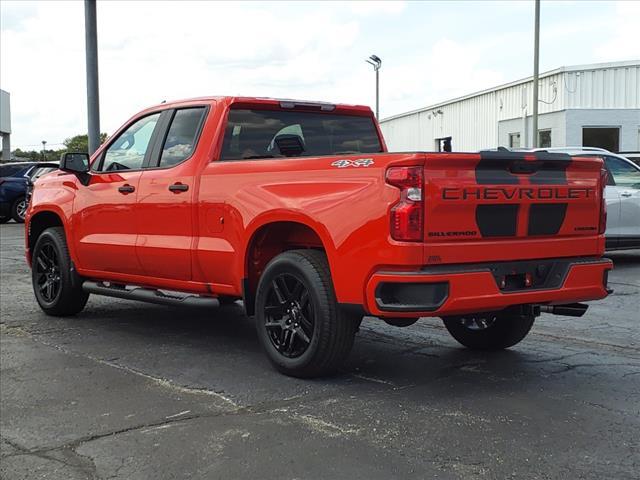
91, 53
536, 58
44, 152
376, 63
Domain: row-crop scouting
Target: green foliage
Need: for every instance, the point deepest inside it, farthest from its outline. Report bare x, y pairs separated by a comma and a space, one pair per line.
77, 143
80, 143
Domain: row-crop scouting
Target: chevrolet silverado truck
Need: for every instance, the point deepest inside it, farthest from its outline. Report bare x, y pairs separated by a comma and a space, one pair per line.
298, 210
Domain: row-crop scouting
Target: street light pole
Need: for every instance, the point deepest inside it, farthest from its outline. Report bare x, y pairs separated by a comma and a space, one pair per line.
536, 57
376, 63
91, 55
44, 154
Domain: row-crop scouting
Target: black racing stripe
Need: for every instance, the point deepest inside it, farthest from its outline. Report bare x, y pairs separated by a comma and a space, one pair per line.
546, 218
494, 172
497, 220
504, 167
551, 173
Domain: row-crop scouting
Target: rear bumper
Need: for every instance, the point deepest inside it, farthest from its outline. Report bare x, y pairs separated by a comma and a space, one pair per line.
459, 289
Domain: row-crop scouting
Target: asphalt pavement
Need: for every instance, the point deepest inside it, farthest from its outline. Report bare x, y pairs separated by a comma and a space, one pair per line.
127, 390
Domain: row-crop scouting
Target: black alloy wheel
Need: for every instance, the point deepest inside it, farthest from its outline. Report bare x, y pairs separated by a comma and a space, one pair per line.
299, 322
56, 284
47, 269
289, 315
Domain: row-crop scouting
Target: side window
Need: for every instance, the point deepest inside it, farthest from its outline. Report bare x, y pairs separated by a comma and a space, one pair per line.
182, 136
128, 150
38, 172
624, 174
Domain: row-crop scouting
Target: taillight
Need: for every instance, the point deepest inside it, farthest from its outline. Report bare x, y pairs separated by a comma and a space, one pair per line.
602, 225
407, 216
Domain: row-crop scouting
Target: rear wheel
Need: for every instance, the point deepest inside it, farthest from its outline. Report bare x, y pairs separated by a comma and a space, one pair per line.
58, 289
489, 330
299, 324
19, 210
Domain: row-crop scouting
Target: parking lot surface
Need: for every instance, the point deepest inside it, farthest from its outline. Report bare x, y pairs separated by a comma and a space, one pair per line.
127, 390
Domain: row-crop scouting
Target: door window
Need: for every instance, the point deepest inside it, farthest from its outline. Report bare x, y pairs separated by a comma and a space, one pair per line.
182, 136
128, 150
624, 174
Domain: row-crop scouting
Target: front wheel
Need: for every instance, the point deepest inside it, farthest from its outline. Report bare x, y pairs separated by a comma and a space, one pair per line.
489, 330
299, 323
57, 287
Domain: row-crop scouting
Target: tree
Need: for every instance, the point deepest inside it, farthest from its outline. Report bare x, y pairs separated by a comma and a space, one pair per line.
80, 143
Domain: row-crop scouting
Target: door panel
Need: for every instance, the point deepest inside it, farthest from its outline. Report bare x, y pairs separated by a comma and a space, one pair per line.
164, 223
613, 210
105, 229
165, 200
626, 179
105, 209
629, 212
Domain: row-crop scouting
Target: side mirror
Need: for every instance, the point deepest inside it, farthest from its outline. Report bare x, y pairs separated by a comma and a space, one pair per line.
74, 162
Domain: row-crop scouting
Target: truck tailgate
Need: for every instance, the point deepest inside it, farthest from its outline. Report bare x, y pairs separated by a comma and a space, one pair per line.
511, 206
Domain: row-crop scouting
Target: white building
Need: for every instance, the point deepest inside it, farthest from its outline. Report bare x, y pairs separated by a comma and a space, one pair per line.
5, 124
590, 105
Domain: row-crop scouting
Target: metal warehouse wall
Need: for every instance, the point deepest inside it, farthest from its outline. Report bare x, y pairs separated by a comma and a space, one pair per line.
472, 121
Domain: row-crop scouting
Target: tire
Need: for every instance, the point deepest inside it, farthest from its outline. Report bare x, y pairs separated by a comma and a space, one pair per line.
489, 330
295, 300
19, 209
56, 285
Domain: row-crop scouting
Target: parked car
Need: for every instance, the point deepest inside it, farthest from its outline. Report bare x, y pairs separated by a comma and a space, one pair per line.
633, 156
298, 209
622, 195
14, 181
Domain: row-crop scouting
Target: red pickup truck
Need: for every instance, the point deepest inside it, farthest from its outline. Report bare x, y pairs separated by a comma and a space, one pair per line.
298, 209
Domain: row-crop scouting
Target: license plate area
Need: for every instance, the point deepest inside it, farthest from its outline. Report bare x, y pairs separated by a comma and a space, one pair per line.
533, 275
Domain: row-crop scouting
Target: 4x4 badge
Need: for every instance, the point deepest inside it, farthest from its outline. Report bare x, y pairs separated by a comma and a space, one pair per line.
361, 162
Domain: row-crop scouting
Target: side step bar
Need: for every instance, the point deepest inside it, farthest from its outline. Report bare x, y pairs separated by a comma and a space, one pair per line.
148, 295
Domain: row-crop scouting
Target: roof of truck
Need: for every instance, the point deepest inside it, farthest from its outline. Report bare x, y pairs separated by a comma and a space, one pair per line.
265, 101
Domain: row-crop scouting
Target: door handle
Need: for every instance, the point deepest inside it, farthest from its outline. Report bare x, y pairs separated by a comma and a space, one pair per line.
626, 194
178, 187
126, 188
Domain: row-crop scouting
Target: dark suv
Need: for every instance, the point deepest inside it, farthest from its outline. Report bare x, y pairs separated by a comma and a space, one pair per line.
15, 179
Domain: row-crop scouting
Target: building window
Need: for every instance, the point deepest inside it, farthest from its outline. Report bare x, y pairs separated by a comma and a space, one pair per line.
514, 140
602, 137
443, 144
544, 138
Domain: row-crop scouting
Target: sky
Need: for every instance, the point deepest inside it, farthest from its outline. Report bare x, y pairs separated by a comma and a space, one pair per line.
152, 51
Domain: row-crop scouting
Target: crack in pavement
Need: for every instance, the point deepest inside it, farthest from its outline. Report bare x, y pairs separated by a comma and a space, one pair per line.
158, 380
85, 463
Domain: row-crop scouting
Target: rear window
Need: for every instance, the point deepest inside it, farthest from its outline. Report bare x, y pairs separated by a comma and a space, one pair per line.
254, 134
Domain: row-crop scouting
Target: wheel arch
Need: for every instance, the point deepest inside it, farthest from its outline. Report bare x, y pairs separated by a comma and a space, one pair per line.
273, 236
38, 222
